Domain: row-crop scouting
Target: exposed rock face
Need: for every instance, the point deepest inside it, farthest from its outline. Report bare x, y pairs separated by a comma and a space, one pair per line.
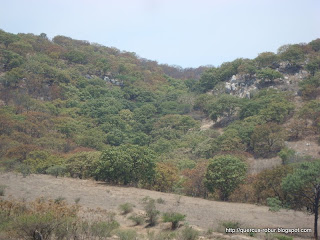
244, 85
241, 85
113, 81
108, 78
288, 68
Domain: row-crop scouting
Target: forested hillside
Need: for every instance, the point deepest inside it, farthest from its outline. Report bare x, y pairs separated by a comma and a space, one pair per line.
80, 109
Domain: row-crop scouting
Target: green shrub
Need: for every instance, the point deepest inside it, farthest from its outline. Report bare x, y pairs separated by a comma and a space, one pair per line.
57, 170
103, 229
40, 161
188, 233
24, 170
282, 237
151, 211
137, 219
2, 189
83, 164
161, 201
231, 224
35, 225
174, 218
126, 208
60, 199
77, 200
36, 220
228, 224
274, 204
127, 234
161, 235
286, 154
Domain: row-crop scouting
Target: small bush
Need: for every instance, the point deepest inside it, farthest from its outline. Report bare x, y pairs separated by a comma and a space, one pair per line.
282, 237
126, 208
161, 235
24, 170
137, 219
188, 233
231, 224
151, 211
228, 224
127, 234
161, 201
286, 154
2, 189
103, 229
174, 218
60, 199
274, 204
77, 200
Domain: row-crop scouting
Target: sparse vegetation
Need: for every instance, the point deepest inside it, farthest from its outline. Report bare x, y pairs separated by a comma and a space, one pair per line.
188, 233
103, 229
228, 224
2, 189
161, 201
137, 219
282, 237
128, 234
151, 211
126, 208
151, 235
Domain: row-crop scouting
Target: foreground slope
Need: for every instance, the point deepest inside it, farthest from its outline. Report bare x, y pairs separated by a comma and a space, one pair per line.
201, 213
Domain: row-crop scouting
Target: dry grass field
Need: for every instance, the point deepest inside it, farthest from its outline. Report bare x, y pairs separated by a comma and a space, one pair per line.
202, 214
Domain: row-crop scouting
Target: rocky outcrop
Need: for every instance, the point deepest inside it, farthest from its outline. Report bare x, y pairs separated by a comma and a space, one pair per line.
113, 81
241, 85
108, 78
245, 85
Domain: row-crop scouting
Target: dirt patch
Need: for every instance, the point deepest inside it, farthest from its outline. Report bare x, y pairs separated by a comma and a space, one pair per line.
306, 147
206, 124
201, 213
257, 165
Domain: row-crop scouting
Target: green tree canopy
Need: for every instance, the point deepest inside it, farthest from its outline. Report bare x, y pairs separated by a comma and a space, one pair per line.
126, 164
267, 139
225, 173
304, 182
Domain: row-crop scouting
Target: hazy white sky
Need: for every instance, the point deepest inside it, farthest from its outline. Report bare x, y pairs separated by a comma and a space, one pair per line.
188, 33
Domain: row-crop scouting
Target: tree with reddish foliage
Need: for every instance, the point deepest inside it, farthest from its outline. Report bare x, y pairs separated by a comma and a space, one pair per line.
166, 177
194, 183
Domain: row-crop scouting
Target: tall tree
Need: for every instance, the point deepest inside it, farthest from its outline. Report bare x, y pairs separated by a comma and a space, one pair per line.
304, 182
225, 173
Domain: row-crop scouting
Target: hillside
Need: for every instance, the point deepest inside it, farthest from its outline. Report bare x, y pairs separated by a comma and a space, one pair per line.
236, 132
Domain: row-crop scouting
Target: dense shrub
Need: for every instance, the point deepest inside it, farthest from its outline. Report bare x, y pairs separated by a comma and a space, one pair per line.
82, 164
57, 170
274, 204
127, 164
